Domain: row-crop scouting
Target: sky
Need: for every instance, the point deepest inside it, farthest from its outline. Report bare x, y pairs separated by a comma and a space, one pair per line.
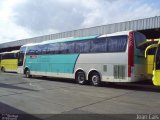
21, 19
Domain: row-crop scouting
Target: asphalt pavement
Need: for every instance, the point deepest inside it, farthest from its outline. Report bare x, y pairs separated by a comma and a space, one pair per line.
47, 97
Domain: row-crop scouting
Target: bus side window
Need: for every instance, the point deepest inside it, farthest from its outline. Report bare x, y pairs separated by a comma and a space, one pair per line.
158, 59
82, 46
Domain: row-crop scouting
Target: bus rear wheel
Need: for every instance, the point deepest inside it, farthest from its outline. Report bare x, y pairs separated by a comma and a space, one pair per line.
27, 73
81, 78
95, 79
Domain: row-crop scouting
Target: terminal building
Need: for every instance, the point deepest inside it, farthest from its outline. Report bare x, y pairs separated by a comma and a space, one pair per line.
150, 27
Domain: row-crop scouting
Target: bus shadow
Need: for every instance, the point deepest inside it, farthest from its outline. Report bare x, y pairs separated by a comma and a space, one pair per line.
8, 72
138, 86
8, 112
10, 86
62, 80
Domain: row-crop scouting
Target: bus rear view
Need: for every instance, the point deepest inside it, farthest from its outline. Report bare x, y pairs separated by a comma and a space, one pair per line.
137, 69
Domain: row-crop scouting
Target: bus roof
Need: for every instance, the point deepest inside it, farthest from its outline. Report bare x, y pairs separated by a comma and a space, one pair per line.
70, 39
14, 51
60, 40
115, 34
84, 38
30, 44
77, 38
153, 39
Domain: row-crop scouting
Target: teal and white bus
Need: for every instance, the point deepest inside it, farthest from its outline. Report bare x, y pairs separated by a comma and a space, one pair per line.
111, 58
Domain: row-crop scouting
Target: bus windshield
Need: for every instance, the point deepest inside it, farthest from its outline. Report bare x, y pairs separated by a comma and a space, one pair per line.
139, 38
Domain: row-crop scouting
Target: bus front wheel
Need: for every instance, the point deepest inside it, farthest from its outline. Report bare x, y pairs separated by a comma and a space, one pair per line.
95, 79
3, 69
81, 78
27, 73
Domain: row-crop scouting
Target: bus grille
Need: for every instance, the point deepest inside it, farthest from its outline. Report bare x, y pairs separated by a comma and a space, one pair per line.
119, 72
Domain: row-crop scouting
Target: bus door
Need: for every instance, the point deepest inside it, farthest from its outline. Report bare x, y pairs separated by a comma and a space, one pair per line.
0, 60
149, 55
21, 59
156, 71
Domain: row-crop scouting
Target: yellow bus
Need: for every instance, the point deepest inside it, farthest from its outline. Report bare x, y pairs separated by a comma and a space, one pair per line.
9, 61
0, 59
156, 63
150, 56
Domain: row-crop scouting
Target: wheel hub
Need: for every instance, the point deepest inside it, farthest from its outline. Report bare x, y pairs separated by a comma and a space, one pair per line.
95, 79
81, 78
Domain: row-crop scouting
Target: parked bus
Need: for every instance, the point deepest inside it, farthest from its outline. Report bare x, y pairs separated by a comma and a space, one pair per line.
150, 55
9, 61
156, 63
150, 60
111, 58
0, 59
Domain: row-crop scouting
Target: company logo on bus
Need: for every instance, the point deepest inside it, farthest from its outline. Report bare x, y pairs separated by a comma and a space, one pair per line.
33, 56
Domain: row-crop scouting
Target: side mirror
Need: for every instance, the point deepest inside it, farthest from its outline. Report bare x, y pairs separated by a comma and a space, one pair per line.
149, 47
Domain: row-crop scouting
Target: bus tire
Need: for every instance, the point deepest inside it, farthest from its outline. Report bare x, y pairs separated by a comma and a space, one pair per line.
95, 79
81, 78
3, 69
27, 74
